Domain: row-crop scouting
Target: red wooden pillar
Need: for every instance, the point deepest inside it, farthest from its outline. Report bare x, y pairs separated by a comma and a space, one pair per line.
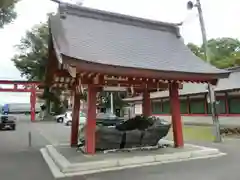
75, 119
226, 103
188, 105
205, 104
146, 104
15, 86
91, 120
161, 106
33, 103
176, 115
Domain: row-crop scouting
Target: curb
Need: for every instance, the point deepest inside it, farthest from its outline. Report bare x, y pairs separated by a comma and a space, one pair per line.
58, 158
51, 164
70, 169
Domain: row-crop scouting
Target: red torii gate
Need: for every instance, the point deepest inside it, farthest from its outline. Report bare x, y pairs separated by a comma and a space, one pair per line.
29, 86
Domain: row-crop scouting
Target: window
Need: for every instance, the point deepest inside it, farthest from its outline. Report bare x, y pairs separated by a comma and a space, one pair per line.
221, 106
197, 106
234, 106
156, 107
166, 107
184, 106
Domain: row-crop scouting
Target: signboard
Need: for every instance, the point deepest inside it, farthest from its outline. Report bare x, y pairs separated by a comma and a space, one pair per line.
112, 78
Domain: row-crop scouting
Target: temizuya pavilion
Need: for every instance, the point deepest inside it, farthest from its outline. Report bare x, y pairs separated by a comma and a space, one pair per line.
89, 48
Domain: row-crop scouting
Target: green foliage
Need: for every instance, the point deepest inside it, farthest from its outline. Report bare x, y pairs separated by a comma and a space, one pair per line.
196, 50
223, 52
7, 13
31, 58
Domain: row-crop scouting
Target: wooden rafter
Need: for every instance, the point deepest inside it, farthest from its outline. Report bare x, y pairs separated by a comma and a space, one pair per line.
63, 80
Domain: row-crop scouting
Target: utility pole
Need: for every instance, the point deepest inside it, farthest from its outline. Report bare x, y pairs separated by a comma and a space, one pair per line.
111, 101
211, 93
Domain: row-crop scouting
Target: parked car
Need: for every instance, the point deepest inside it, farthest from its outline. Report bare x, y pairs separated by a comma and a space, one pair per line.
68, 118
108, 119
105, 119
60, 117
7, 122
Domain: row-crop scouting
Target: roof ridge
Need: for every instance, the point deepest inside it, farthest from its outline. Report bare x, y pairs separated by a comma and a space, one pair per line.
67, 8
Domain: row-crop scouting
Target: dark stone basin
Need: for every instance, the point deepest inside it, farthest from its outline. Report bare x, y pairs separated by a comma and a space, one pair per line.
136, 132
107, 137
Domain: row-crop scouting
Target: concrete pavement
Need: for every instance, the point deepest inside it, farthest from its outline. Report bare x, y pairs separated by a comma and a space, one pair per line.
221, 168
20, 162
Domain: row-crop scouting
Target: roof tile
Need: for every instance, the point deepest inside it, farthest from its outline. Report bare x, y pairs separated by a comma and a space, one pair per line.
114, 39
225, 84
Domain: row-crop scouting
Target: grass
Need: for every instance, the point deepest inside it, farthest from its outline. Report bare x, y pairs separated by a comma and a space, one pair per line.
196, 133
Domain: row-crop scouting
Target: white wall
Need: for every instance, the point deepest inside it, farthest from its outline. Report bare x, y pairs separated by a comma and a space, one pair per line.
138, 109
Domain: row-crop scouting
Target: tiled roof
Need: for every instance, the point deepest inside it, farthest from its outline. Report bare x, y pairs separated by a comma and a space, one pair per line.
229, 83
226, 84
114, 39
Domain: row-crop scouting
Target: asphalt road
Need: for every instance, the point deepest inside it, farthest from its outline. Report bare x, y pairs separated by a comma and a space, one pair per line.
20, 162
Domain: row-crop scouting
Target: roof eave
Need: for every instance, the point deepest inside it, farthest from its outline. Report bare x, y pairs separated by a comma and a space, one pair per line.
86, 66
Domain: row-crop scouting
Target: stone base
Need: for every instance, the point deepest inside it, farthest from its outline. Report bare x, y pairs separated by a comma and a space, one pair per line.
64, 161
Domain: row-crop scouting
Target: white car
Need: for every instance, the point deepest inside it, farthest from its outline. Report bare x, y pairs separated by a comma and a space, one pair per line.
59, 118
68, 118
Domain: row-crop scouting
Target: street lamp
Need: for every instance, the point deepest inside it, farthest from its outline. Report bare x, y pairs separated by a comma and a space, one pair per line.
211, 94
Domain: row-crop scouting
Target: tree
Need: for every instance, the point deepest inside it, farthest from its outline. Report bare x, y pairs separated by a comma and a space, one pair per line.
31, 58
7, 13
223, 52
196, 50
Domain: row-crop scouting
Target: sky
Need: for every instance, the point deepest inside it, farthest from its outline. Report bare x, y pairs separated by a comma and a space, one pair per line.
219, 15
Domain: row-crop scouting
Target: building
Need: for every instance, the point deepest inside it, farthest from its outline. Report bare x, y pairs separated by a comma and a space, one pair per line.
95, 49
194, 100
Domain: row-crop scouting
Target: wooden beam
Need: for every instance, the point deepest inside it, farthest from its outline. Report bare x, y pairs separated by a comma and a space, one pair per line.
19, 82
72, 70
14, 90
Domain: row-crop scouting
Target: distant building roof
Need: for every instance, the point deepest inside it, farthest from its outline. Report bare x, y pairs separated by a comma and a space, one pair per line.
231, 83
112, 39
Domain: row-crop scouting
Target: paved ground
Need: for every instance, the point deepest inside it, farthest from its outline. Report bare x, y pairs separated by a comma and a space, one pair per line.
20, 162
226, 167
207, 120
